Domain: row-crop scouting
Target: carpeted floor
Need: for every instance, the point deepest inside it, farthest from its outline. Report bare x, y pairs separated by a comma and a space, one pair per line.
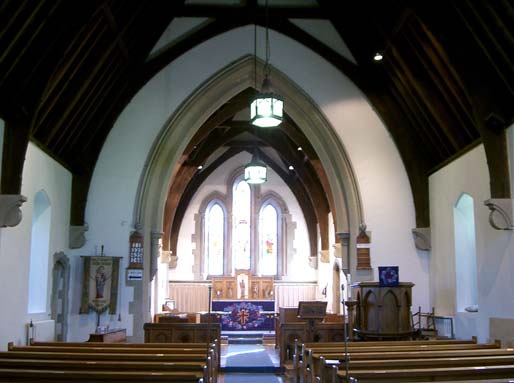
244, 363
251, 378
248, 358
248, 355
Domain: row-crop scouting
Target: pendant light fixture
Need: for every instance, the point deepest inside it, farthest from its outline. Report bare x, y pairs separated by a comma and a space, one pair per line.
255, 170
267, 108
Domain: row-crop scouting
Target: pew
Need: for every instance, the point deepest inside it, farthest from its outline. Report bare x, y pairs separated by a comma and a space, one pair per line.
315, 368
308, 367
118, 345
300, 348
88, 376
322, 369
58, 364
165, 358
305, 361
214, 345
505, 372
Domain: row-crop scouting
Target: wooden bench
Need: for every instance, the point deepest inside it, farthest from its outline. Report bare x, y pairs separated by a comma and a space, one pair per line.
103, 365
314, 368
300, 348
89, 376
322, 369
307, 366
130, 347
175, 358
215, 346
425, 374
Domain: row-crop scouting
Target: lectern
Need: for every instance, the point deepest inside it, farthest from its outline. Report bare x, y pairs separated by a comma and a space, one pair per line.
312, 311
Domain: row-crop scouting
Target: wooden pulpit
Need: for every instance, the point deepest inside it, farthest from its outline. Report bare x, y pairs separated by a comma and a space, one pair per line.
383, 312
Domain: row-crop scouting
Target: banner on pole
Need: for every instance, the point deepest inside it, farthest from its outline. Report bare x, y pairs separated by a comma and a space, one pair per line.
100, 284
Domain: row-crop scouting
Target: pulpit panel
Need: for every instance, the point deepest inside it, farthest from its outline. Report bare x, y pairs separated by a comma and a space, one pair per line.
383, 311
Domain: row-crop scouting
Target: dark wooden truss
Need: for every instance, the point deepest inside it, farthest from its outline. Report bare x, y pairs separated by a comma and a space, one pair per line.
68, 69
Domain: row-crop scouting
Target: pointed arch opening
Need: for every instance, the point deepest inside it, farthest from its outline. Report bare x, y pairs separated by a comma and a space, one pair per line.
39, 253
465, 254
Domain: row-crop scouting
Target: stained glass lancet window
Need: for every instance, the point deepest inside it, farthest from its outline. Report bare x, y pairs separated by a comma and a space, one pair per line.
268, 240
241, 225
215, 237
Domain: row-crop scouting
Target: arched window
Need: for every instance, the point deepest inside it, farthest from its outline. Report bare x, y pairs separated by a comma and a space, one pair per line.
39, 253
242, 230
214, 239
241, 212
465, 254
268, 241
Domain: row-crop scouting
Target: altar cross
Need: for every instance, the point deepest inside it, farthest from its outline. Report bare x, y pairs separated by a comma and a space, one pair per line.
243, 316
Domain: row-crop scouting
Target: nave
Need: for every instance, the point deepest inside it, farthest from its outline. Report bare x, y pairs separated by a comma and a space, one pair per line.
443, 360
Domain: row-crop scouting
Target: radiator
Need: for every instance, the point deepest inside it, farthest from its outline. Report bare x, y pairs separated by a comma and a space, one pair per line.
41, 331
444, 326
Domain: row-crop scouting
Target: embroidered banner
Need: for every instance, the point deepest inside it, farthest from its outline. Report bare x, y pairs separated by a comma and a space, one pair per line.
100, 285
245, 315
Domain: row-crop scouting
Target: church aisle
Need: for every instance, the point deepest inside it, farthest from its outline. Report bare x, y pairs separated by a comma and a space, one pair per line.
250, 363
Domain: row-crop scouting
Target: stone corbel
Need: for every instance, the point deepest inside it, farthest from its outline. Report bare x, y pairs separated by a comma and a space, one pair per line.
313, 262
10, 212
344, 240
422, 238
338, 250
170, 259
500, 216
324, 256
77, 237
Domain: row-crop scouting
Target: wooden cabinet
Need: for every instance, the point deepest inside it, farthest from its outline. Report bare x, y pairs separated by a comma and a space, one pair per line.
242, 286
181, 332
383, 311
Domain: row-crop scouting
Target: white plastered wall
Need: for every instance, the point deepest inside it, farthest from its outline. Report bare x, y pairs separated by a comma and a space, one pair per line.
39, 172
1, 143
495, 249
298, 268
380, 173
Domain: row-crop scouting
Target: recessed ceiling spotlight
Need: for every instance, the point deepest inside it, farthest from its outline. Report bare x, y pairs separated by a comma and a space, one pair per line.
300, 148
291, 167
200, 167
378, 56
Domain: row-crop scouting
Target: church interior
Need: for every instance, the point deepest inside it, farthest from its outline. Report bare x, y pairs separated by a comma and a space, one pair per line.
312, 173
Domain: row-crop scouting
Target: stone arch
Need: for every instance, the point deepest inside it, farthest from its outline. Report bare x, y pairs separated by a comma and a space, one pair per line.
228, 82
169, 146
60, 298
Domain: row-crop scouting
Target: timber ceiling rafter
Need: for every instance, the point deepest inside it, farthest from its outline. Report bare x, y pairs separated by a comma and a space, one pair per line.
221, 130
69, 68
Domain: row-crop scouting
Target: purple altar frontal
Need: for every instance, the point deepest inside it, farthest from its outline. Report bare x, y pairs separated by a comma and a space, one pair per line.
245, 315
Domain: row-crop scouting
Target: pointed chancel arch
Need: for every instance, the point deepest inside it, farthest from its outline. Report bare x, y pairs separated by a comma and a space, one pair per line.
185, 122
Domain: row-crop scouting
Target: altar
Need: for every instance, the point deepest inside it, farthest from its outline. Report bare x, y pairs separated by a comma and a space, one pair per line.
244, 302
245, 315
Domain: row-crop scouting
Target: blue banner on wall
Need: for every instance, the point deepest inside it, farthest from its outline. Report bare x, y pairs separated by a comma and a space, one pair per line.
245, 315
